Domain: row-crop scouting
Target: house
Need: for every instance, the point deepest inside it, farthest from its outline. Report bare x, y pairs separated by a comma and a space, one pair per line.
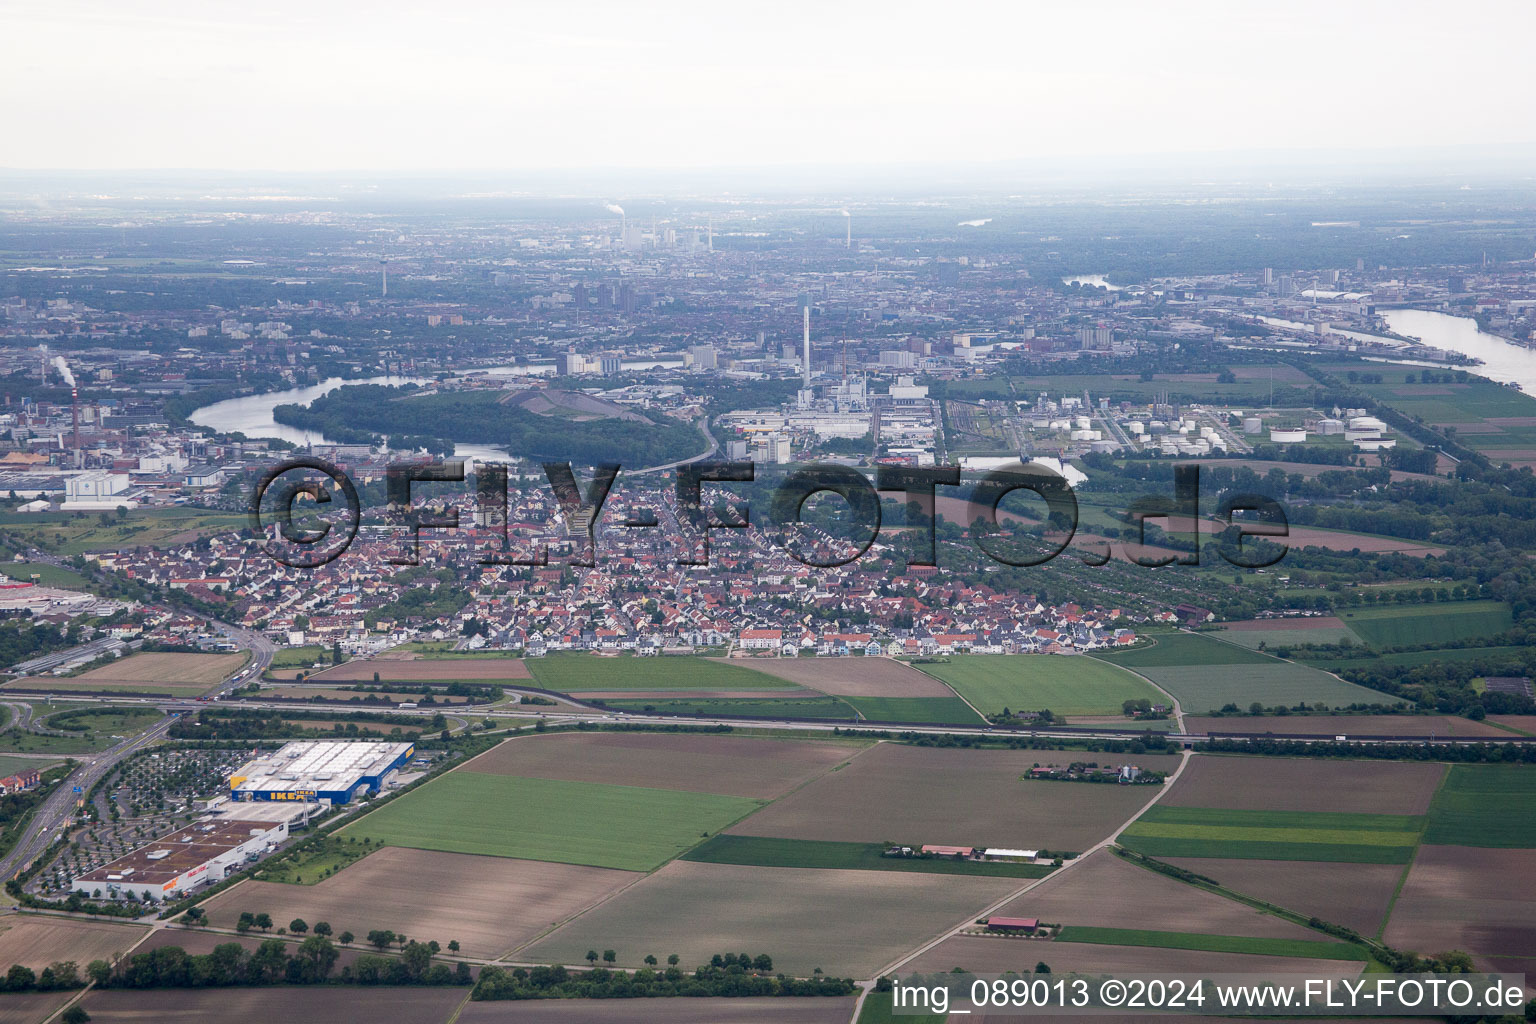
761, 639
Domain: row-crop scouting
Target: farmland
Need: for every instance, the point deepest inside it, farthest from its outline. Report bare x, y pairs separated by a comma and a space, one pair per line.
426, 670
1205, 674
1214, 943
416, 1005
751, 1010
99, 728
741, 707
729, 765
36, 942
1300, 784
1429, 624
1345, 725
171, 674
1092, 894
1065, 685
1491, 805
977, 953
1457, 897
490, 905
951, 796
64, 534
48, 574
626, 827
804, 853
941, 710
1354, 895
1273, 835
845, 922
574, 673
853, 676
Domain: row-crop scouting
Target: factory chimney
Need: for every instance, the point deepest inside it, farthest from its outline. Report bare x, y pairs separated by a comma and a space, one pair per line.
74, 401
805, 364
384, 277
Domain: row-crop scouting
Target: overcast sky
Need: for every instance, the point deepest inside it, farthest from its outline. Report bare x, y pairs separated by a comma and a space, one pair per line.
310, 85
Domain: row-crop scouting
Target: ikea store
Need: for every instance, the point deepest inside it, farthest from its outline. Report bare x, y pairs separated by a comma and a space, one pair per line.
325, 771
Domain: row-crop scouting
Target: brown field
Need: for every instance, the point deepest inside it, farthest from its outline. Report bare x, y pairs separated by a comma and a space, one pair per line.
1310, 537
170, 667
1302, 622
985, 954
30, 1007
1298, 784
1356, 895
1093, 893
265, 1005
809, 1010
36, 942
326, 693
853, 676
1458, 897
729, 765
691, 694
845, 922
1522, 723
489, 904
425, 670
920, 795
1347, 725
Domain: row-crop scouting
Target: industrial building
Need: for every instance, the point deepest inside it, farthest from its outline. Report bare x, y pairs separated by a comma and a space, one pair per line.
326, 771
203, 853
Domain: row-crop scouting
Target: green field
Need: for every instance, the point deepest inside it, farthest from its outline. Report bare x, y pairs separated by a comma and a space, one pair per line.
1492, 805
767, 707
298, 657
878, 1010
1030, 682
756, 851
48, 575
1273, 638
936, 710
567, 672
1429, 624
1472, 402
1415, 658
1316, 950
100, 727
1274, 835
627, 827
76, 533
1205, 674
12, 765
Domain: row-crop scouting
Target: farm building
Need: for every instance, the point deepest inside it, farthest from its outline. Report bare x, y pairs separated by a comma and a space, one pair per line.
938, 850
1012, 924
328, 771
1001, 853
202, 853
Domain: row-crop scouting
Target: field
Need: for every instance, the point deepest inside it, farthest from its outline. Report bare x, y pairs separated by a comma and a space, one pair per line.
849, 923
1215, 943
1444, 654
852, 676
952, 796
1398, 625
626, 827
1346, 725
417, 1005
1477, 900
1491, 805
1300, 784
1273, 633
101, 727
491, 905
996, 955
574, 673
729, 765
48, 574
172, 674
31, 1007
1093, 894
939, 710
12, 765
36, 942
1274, 835
751, 1010
1487, 416
1030, 682
64, 534
1354, 895
1206, 674
741, 707
803, 853
425, 670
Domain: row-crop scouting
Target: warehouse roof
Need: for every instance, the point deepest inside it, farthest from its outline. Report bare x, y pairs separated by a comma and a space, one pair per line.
158, 862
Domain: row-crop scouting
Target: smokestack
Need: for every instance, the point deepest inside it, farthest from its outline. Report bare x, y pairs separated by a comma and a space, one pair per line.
711, 233
848, 224
805, 365
74, 401
384, 278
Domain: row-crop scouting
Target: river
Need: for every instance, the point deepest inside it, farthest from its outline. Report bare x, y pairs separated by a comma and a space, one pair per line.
1503, 361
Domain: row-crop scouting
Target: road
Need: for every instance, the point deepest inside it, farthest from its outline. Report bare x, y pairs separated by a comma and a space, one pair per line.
714, 446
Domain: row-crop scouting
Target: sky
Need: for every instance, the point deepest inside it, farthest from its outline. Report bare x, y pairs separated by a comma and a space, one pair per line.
389, 86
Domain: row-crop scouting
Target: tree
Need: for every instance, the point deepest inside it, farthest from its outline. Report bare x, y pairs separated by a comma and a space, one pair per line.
298, 926
20, 978
196, 915
345, 938
609, 956
381, 938
75, 1015
316, 957
1042, 968
673, 960
246, 923
99, 971
453, 945
592, 956
322, 927
264, 921
650, 960
764, 962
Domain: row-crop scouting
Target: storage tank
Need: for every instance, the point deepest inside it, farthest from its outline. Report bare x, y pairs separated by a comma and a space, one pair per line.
1253, 425
1287, 435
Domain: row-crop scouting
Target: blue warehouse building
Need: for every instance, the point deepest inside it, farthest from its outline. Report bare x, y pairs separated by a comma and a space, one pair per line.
324, 771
